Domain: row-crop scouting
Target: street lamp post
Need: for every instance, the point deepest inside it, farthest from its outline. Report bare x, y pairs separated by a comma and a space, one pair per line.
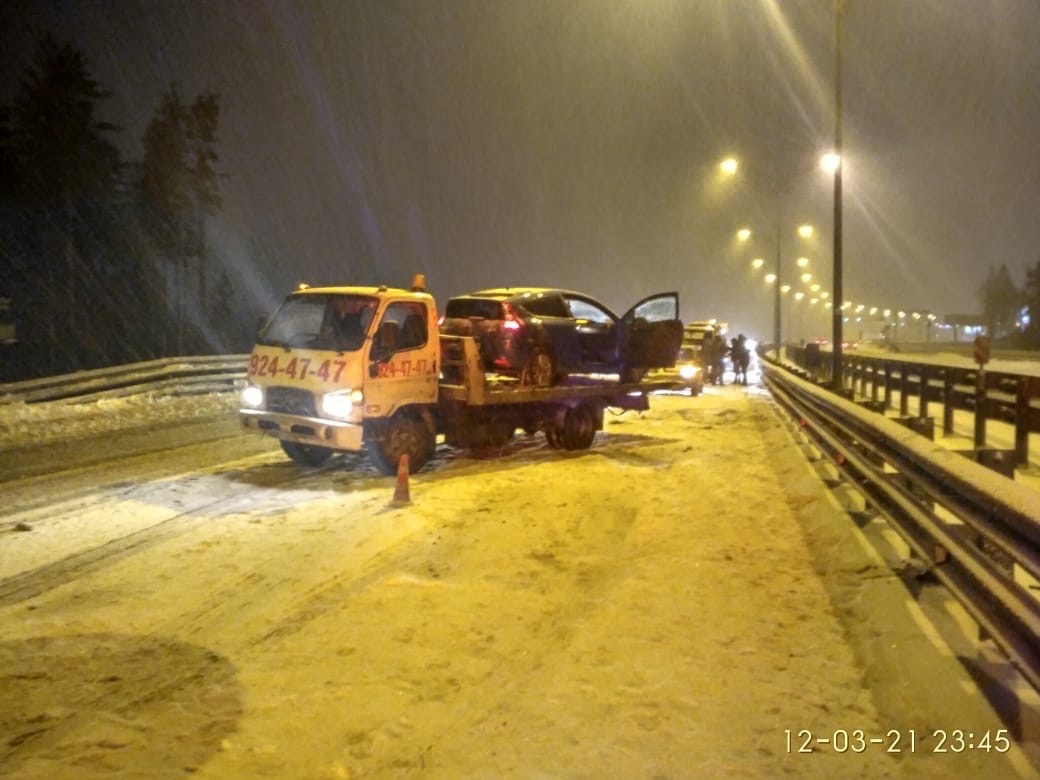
836, 378
776, 297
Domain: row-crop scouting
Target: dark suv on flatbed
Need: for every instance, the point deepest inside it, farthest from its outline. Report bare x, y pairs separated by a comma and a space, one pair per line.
541, 335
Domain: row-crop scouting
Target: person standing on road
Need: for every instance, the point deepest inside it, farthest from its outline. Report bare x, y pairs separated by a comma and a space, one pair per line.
741, 358
721, 350
708, 357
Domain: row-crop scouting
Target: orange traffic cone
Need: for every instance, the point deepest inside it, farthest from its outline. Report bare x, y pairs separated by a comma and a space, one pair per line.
401, 495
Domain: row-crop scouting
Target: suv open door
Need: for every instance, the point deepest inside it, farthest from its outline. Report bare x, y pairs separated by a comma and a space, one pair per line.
651, 332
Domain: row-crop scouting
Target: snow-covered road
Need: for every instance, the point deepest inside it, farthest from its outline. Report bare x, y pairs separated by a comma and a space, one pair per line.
671, 603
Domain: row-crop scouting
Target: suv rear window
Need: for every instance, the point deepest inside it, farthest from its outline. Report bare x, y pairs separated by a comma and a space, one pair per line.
480, 308
546, 305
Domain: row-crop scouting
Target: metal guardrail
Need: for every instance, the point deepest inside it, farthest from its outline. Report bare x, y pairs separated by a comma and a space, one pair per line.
985, 546
1000, 395
176, 376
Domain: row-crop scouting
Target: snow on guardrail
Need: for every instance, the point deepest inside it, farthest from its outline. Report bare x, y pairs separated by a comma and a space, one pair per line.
172, 376
86, 403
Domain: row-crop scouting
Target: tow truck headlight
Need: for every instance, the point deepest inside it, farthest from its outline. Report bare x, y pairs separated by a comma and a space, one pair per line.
687, 371
253, 396
341, 403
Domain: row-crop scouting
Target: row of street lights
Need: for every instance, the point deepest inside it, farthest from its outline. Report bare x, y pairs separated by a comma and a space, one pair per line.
814, 296
893, 320
729, 167
832, 163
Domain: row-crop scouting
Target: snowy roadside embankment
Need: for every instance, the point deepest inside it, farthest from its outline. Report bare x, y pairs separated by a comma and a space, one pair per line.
23, 423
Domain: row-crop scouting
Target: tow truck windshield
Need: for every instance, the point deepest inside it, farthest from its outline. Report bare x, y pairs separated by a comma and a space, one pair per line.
321, 321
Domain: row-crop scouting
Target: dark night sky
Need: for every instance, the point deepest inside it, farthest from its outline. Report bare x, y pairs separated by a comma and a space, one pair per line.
576, 142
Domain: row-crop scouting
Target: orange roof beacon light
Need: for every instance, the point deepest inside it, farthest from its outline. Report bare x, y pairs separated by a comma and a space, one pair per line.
419, 283
302, 286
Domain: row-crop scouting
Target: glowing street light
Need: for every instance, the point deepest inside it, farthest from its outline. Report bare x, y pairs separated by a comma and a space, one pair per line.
830, 162
770, 278
757, 263
803, 262
806, 278
729, 166
744, 234
805, 231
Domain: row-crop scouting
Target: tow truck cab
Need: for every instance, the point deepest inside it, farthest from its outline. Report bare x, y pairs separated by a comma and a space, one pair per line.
333, 364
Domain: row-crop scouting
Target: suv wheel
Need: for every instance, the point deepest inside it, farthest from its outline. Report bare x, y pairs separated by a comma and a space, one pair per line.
539, 370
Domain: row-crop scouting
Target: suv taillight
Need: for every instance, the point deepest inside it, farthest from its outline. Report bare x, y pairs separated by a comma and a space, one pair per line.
510, 321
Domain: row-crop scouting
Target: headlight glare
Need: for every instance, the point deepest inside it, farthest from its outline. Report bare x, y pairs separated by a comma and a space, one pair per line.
253, 396
339, 404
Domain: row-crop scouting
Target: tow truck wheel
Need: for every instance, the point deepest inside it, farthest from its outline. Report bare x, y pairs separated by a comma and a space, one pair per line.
554, 437
404, 436
579, 428
539, 370
306, 455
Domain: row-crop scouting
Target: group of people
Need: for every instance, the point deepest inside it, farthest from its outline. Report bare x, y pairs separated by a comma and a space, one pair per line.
714, 351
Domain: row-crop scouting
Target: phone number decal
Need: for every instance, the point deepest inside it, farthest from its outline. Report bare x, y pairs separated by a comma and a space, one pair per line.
406, 368
296, 368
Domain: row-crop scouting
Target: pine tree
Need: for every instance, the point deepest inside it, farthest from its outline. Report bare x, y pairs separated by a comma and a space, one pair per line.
65, 177
1031, 299
1001, 301
179, 189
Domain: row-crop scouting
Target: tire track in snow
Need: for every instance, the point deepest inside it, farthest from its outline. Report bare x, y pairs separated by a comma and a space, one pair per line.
191, 513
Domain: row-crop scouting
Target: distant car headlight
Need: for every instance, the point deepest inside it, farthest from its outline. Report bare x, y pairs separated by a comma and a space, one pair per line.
253, 396
688, 371
340, 404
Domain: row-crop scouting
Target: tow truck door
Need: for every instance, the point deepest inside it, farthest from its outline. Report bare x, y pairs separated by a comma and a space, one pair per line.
403, 360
